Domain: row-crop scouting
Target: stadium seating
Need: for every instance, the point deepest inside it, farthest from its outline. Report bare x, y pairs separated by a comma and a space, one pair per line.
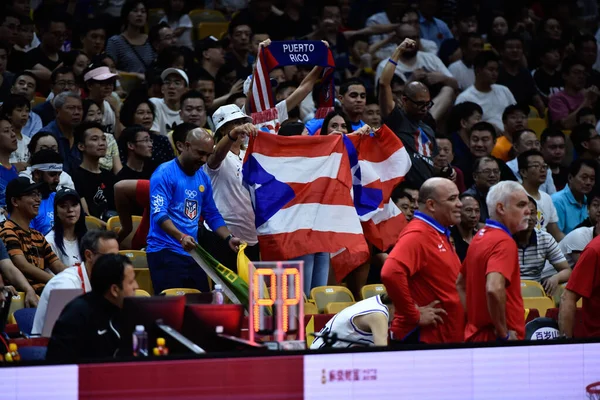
94, 223
328, 294
142, 276
37, 100
372, 290
216, 29
310, 309
532, 289
129, 82
114, 224
178, 291
141, 293
542, 304
17, 302
537, 125
337, 306
137, 258
155, 15
24, 318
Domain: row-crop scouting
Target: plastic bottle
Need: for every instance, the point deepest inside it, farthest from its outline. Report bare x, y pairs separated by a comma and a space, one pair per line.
218, 296
160, 349
140, 341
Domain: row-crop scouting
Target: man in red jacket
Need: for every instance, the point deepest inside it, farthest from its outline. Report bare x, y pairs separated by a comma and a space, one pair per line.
420, 273
489, 282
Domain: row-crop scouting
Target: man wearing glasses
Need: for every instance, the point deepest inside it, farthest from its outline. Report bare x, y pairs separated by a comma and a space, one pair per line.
61, 80
406, 120
486, 174
28, 249
138, 142
175, 84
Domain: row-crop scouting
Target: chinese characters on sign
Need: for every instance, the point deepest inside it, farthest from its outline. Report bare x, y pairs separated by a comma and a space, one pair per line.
349, 375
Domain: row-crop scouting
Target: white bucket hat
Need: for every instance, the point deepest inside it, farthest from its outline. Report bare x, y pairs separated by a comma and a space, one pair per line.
228, 113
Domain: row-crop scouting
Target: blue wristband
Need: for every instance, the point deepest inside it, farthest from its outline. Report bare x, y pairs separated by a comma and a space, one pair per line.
392, 62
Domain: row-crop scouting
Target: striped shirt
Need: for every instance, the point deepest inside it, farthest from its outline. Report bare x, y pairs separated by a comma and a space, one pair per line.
532, 258
128, 57
31, 244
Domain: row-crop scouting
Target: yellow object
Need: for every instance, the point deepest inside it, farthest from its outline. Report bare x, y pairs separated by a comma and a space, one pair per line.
533, 112
94, 223
129, 81
178, 291
244, 264
310, 309
160, 341
310, 328
141, 293
12, 347
526, 313
537, 125
532, 289
216, 29
372, 290
114, 224
155, 351
137, 257
8, 357
542, 304
142, 276
328, 294
201, 15
16, 303
37, 100
337, 306
580, 303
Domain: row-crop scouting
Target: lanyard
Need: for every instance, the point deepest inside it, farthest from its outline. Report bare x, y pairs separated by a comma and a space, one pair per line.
80, 273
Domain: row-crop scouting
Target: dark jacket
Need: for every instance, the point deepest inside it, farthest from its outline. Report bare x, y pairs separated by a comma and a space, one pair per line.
88, 328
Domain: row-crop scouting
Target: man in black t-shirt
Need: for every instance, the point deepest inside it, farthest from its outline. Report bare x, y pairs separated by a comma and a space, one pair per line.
137, 142
47, 56
239, 34
553, 144
94, 185
547, 77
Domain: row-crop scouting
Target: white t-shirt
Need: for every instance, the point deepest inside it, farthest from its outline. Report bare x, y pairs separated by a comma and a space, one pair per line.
184, 21
575, 241
546, 211
232, 199
274, 124
548, 186
464, 75
426, 61
22, 152
164, 116
108, 120
72, 257
70, 278
65, 180
493, 102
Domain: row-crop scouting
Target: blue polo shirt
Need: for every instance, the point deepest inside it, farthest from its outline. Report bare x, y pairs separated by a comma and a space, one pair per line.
435, 30
570, 212
183, 199
44, 221
315, 124
71, 156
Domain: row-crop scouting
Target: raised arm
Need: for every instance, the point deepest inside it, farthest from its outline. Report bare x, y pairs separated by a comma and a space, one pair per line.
224, 145
386, 97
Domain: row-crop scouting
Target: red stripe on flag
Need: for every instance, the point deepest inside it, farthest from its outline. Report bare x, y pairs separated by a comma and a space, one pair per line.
296, 146
321, 190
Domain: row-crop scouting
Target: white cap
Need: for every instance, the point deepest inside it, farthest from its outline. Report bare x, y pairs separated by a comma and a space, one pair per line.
228, 113
140, 328
218, 286
99, 74
175, 71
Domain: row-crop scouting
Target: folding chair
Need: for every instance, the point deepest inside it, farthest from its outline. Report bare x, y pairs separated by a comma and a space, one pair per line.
216, 29
328, 294
372, 290
129, 82
141, 293
310, 309
137, 257
24, 318
16, 303
532, 289
178, 291
542, 304
94, 223
337, 306
537, 125
142, 276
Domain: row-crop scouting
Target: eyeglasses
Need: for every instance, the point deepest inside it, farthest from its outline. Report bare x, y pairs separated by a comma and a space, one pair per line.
421, 104
538, 166
147, 140
490, 172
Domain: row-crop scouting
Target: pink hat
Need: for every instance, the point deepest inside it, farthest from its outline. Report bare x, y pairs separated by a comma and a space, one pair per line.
99, 74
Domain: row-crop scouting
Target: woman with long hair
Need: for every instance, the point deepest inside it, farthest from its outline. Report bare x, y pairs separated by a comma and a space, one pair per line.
69, 227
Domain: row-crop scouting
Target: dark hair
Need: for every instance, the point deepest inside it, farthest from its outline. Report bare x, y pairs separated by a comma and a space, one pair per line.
532, 201
465, 38
238, 20
291, 128
82, 128
92, 24
191, 94
25, 73
129, 135
283, 86
108, 270
404, 186
169, 10
60, 71
130, 106
462, 111
232, 98
580, 134
154, 33
569, 63
43, 20
585, 111
551, 132
344, 87
87, 103
581, 39
128, 7
483, 126
511, 109
69, 58
401, 194
509, 37
202, 75
330, 116
548, 45
483, 58
167, 57
91, 239
576, 165
8, 13
14, 101
386, 299
518, 134
36, 138
98, 59
480, 160
80, 229
595, 194
464, 195
46, 157
181, 131
522, 158
5, 46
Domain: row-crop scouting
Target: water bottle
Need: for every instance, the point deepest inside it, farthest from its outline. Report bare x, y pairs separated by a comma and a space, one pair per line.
218, 297
140, 341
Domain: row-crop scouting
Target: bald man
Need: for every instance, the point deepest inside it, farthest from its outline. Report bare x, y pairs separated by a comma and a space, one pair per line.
420, 273
179, 193
407, 119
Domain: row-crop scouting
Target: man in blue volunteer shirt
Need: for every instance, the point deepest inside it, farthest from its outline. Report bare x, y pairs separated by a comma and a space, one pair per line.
179, 193
46, 166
